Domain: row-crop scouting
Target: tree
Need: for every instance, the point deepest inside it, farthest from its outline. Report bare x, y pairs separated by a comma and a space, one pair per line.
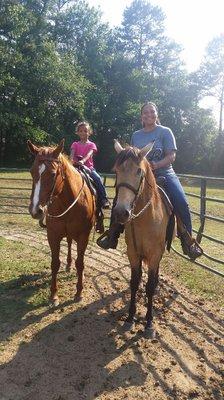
41, 91
211, 78
211, 73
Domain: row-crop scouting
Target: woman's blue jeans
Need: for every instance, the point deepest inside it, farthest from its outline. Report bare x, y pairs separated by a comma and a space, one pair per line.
101, 191
175, 191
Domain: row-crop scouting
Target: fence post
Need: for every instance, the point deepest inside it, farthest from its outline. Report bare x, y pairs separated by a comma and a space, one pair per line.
202, 208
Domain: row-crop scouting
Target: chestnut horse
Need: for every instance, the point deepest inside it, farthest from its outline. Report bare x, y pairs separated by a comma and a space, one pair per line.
140, 208
69, 205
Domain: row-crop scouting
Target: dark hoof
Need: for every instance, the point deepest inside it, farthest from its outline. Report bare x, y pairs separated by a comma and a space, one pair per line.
128, 326
77, 298
150, 333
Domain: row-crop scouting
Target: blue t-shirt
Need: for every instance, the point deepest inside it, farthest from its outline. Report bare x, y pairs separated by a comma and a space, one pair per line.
164, 141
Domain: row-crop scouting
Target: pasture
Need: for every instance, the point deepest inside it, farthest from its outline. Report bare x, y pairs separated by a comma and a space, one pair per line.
79, 350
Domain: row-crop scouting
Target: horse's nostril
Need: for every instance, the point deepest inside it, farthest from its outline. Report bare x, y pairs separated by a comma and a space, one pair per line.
121, 214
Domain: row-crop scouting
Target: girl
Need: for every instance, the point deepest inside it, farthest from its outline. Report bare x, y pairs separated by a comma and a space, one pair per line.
82, 153
161, 158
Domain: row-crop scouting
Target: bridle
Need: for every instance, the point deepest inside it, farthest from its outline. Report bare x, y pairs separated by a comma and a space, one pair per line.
137, 193
51, 196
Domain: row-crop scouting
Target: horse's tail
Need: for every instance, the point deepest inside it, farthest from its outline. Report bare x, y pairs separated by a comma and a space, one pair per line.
170, 231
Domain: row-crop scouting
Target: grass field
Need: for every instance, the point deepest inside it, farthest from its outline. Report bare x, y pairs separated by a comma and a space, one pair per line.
19, 260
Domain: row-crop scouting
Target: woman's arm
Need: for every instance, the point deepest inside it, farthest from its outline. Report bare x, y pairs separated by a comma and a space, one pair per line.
167, 160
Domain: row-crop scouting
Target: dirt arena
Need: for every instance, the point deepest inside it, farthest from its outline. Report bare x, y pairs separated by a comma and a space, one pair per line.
80, 350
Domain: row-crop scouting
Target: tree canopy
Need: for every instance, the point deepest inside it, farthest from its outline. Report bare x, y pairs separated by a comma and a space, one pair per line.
61, 63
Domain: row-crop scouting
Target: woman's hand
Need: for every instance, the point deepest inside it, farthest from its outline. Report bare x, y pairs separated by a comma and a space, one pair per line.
153, 165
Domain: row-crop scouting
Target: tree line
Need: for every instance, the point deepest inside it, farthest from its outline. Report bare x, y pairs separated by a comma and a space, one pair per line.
60, 63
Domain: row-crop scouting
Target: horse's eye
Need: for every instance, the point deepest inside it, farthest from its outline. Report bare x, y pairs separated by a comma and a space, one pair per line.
139, 171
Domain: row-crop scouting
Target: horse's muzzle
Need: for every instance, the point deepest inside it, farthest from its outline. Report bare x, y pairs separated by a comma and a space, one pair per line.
37, 214
121, 214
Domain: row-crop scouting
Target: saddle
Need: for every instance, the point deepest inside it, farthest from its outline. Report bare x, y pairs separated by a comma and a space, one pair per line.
85, 174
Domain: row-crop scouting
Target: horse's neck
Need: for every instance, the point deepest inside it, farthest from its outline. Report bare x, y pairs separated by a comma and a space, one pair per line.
72, 178
149, 190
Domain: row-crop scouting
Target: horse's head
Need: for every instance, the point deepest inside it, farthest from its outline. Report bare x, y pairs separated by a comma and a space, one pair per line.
130, 169
44, 173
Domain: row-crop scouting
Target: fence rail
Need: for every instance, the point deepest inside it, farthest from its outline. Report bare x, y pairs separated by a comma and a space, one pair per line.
13, 202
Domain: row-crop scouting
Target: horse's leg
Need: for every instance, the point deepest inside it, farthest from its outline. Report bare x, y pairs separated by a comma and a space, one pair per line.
150, 290
79, 263
136, 274
69, 255
54, 243
153, 277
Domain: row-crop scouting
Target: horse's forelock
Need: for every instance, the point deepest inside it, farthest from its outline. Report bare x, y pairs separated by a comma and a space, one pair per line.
128, 152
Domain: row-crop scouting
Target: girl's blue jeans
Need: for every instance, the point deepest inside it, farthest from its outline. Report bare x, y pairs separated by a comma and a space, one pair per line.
101, 191
175, 191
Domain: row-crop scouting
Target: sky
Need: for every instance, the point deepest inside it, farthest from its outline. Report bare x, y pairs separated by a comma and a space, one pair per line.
191, 23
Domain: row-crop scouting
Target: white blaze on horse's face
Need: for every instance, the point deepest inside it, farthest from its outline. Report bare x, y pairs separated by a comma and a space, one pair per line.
36, 194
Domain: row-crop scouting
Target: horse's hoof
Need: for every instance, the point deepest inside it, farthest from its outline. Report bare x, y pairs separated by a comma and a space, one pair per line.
55, 302
150, 333
128, 326
77, 298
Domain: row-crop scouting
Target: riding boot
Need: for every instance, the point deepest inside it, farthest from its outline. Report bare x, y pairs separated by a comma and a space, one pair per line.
109, 239
190, 246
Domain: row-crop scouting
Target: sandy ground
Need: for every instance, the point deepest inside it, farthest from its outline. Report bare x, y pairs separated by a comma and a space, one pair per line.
81, 351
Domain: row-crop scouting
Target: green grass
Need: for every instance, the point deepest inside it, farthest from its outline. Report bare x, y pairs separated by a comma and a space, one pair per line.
24, 277
201, 282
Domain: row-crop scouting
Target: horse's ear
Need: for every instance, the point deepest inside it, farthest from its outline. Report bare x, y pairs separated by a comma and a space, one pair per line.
59, 148
117, 146
32, 148
146, 150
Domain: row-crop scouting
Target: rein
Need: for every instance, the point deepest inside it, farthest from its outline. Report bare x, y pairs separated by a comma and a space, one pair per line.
69, 208
44, 160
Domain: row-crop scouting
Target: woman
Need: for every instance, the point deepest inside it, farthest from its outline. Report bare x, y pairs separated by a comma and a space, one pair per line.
161, 159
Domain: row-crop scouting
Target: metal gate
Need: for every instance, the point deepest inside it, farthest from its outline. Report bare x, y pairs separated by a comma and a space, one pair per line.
15, 191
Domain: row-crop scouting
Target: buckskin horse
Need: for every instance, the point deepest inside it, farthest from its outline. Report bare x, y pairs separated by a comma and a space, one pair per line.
62, 191
140, 208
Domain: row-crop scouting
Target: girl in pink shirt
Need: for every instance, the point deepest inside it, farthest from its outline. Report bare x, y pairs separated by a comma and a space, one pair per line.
82, 153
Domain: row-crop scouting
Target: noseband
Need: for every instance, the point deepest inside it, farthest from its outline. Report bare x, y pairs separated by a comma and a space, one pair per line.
137, 193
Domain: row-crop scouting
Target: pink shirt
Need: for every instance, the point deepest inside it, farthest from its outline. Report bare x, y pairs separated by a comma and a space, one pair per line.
80, 149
